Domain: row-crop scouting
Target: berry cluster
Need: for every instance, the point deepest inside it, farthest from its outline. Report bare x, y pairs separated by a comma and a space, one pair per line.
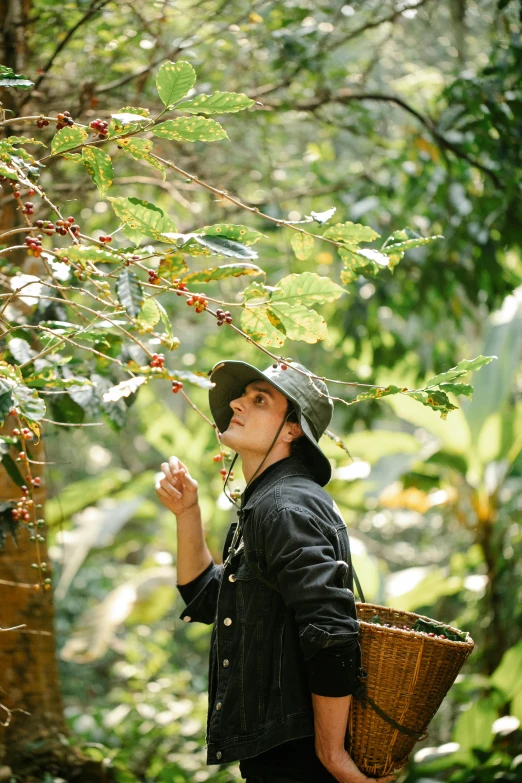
101, 127
223, 317
179, 286
105, 239
153, 276
26, 434
157, 360
282, 366
176, 386
42, 122
224, 472
63, 119
35, 246
199, 301
28, 208
62, 227
128, 261
220, 456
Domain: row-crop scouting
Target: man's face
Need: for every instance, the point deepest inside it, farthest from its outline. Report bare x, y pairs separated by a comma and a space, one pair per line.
258, 414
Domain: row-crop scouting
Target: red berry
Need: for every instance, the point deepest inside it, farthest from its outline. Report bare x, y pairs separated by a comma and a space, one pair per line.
223, 471
70, 219
60, 117
217, 458
284, 367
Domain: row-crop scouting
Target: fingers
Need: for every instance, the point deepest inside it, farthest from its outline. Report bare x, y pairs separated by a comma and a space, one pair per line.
165, 487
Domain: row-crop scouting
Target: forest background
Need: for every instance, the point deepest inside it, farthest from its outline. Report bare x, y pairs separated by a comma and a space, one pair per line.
401, 115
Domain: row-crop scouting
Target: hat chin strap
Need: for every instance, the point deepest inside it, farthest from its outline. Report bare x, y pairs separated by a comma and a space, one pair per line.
260, 464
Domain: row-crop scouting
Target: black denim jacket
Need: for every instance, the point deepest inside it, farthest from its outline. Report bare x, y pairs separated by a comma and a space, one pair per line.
279, 601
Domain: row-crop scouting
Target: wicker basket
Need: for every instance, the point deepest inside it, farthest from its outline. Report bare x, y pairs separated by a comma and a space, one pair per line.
408, 676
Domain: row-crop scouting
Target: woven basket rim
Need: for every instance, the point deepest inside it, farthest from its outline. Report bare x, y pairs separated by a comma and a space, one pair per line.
382, 629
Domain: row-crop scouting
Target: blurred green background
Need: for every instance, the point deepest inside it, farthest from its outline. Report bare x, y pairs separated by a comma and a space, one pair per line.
398, 114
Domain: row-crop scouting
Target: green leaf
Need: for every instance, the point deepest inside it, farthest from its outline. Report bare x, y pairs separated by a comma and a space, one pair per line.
130, 292
473, 728
256, 323
217, 103
99, 166
11, 468
29, 403
222, 272
124, 389
299, 322
6, 398
150, 313
126, 118
243, 234
172, 265
409, 244
351, 233
144, 217
7, 171
80, 254
139, 111
457, 388
8, 78
507, 677
375, 393
173, 81
307, 289
434, 399
463, 367
171, 341
140, 149
20, 350
219, 246
67, 138
302, 245
258, 291
24, 140
190, 129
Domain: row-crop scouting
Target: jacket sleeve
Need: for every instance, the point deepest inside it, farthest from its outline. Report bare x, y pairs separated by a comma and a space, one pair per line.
301, 561
201, 594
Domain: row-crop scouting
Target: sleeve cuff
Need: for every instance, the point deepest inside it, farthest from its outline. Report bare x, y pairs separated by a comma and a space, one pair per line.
189, 590
333, 673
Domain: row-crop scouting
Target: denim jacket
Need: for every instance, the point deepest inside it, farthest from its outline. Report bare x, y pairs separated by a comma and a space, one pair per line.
279, 601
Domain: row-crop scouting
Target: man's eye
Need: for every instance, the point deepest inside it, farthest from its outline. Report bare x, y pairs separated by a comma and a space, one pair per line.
258, 398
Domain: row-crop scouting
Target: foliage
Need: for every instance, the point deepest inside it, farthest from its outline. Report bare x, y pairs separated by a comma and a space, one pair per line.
361, 112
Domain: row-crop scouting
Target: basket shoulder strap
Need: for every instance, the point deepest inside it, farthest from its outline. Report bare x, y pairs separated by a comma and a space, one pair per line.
351, 573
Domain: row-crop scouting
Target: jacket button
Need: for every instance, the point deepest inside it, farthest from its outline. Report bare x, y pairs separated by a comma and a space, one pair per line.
226, 663
227, 621
218, 754
231, 577
187, 619
219, 705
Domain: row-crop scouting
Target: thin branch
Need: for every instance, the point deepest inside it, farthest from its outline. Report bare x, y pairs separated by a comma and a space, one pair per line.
346, 96
92, 9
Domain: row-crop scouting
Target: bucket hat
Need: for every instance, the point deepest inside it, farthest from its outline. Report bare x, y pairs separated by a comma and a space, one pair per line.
310, 397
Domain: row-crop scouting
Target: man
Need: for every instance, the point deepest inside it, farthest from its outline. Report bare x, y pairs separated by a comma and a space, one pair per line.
284, 655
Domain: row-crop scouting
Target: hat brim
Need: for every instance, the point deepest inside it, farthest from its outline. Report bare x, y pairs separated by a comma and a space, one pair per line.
230, 379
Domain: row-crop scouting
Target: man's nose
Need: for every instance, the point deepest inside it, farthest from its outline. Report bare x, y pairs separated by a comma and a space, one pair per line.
237, 404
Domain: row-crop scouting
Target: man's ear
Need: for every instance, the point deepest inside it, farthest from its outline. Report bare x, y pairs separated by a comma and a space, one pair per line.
294, 431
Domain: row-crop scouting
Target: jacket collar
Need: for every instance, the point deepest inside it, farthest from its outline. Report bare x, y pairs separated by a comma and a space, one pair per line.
292, 466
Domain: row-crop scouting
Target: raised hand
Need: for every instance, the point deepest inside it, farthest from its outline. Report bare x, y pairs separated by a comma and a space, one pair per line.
177, 490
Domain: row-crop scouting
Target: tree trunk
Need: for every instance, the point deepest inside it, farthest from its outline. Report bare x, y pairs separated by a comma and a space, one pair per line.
29, 687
